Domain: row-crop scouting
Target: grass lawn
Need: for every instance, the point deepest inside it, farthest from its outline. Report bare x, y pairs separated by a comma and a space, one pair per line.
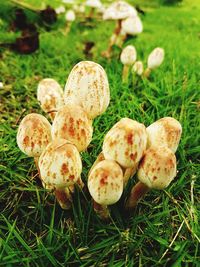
164, 229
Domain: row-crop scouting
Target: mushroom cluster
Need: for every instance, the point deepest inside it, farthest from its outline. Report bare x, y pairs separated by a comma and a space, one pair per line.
128, 23
130, 148
158, 166
128, 59
56, 148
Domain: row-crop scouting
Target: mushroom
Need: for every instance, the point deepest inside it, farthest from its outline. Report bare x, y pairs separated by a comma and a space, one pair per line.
87, 86
128, 57
59, 10
69, 17
50, 96
132, 25
60, 169
125, 143
105, 184
155, 59
33, 135
93, 4
138, 68
127, 172
156, 171
71, 123
1, 85
166, 131
118, 10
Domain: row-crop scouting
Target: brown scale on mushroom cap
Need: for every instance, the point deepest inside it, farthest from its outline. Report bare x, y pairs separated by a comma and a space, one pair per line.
60, 164
165, 131
125, 142
157, 168
34, 134
105, 182
87, 86
71, 123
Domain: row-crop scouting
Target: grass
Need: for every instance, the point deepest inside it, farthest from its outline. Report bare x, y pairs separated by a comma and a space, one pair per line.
164, 229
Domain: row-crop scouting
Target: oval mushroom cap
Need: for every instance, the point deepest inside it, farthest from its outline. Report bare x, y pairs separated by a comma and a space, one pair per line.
119, 10
105, 182
132, 25
128, 55
60, 164
50, 95
70, 15
165, 131
155, 58
87, 86
71, 123
34, 134
125, 142
138, 68
93, 3
157, 168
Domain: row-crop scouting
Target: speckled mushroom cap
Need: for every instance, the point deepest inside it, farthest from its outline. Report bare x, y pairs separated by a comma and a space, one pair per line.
165, 131
93, 3
127, 172
60, 164
155, 58
119, 10
87, 86
132, 25
125, 142
157, 168
105, 182
50, 95
34, 134
71, 123
128, 55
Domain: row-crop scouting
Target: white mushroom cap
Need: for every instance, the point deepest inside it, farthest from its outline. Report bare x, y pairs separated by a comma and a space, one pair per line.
155, 58
105, 182
93, 3
34, 134
87, 86
127, 172
119, 10
125, 142
70, 15
68, 1
79, 8
166, 131
1, 85
60, 164
132, 25
60, 10
71, 123
138, 68
50, 95
128, 55
157, 168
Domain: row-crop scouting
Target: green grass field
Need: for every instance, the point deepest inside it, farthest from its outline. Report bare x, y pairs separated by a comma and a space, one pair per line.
164, 229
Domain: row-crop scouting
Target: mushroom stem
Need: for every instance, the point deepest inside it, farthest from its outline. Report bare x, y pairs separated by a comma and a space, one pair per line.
137, 192
113, 39
147, 73
36, 159
67, 28
125, 73
64, 198
91, 14
101, 210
